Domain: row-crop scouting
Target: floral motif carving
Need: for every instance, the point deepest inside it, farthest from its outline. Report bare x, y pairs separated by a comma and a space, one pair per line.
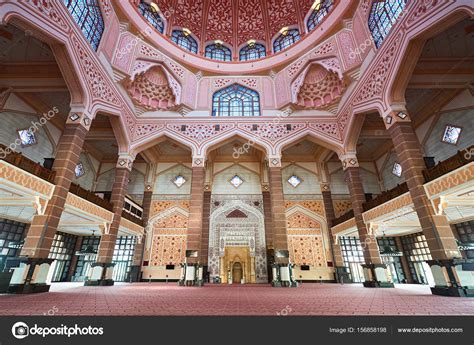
272, 131
315, 206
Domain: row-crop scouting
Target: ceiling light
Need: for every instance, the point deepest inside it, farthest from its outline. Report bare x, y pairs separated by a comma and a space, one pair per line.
154, 7
218, 42
316, 5
284, 30
251, 42
186, 31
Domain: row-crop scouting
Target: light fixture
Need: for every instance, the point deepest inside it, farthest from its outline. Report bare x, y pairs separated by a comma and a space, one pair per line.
316, 5
388, 250
89, 251
186, 31
284, 30
218, 42
251, 43
154, 7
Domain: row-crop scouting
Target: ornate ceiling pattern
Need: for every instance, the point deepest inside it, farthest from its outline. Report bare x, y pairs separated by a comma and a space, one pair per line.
234, 22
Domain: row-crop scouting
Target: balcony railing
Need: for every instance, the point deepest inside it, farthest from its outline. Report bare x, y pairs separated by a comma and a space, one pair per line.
458, 160
132, 218
90, 196
346, 216
20, 161
386, 196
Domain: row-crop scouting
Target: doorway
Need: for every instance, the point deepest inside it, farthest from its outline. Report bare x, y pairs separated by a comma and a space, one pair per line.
237, 273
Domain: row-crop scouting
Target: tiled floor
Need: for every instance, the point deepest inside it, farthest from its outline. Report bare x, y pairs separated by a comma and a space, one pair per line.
169, 299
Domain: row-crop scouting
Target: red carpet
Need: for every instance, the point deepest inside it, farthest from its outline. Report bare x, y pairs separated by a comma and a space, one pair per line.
169, 299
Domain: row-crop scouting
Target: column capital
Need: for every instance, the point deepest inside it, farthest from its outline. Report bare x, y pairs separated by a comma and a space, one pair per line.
395, 113
349, 160
125, 161
79, 118
325, 187
274, 161
199, 161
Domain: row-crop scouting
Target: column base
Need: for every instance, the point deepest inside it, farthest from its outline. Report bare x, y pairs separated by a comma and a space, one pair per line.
28, 288
100, 282
101, 274
22, 281
191, 275
376, 276
453, 277
452, 291
283, 275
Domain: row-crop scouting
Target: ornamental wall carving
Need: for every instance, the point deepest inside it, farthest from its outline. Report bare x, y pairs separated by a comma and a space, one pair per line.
305, 242
341, 207
388, 208
454, 179
315, 206
169, 224
237, 221
158, 206
26, 180
89, 208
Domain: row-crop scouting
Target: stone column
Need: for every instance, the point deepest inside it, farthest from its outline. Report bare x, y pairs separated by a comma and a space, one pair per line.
447, 259
43, 227
436, 228
338, 261
281, 269
141, 241
277, 202
374, 268
193, 270
205, 228
103, 267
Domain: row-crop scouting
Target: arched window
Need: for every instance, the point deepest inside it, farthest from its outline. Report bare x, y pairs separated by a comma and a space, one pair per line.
87, 15
218, 51
383, 15
252, 52
150, 13
320, 10
236, 100
286, 39
184, 40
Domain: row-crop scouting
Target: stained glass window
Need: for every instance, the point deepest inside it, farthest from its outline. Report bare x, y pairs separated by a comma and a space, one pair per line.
320, 10
179, 180
252, 52
27, 137
286, 39
236, 100
79, 170
184, 40
294, 181
397, 169
151, 14
451, 134
236, 181
218, 52
383, 15
87, 14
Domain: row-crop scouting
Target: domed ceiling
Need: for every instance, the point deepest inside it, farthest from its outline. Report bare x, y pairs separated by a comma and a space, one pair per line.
234, 21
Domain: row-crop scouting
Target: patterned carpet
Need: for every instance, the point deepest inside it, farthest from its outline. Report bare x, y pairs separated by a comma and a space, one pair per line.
169, 299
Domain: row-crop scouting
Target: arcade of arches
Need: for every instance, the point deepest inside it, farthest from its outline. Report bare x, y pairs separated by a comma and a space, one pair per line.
237, 142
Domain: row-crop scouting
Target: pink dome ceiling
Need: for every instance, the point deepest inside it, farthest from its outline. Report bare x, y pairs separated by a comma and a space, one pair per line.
234, 21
